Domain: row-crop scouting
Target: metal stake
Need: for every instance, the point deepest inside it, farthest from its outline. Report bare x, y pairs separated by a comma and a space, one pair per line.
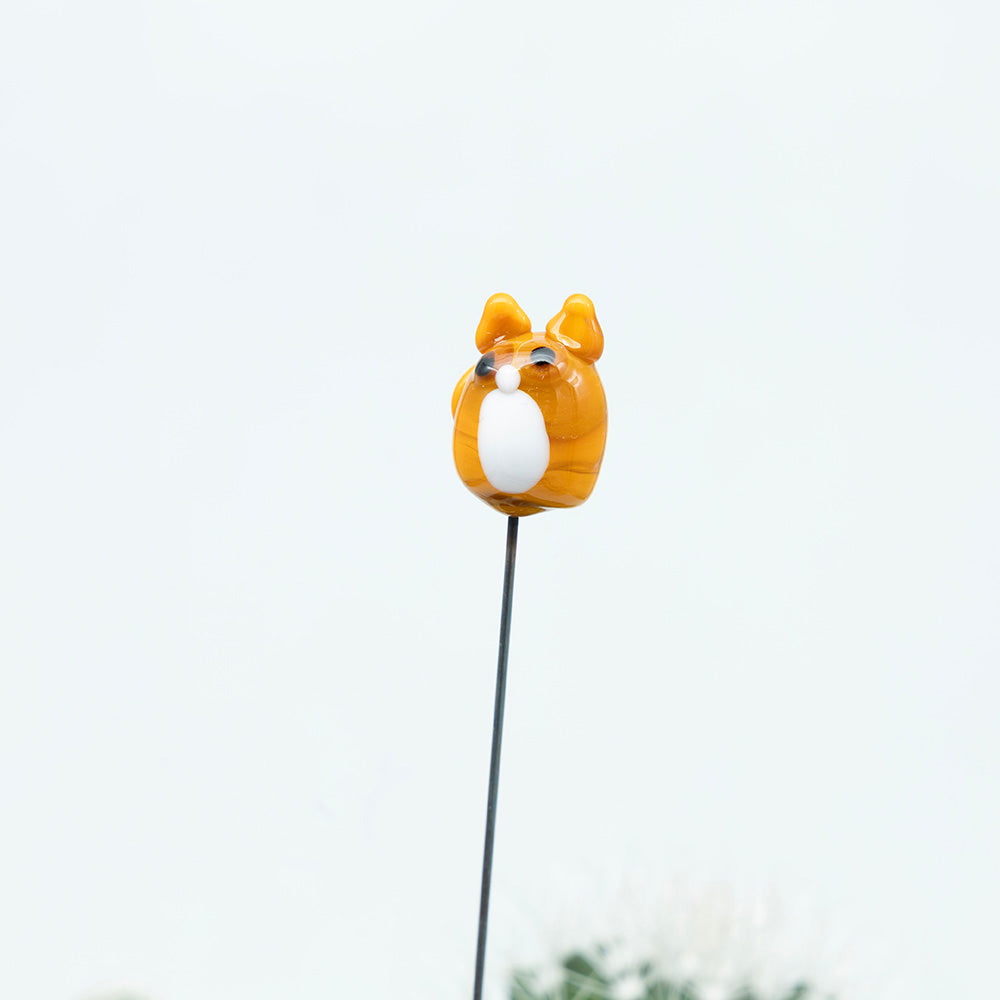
491, 801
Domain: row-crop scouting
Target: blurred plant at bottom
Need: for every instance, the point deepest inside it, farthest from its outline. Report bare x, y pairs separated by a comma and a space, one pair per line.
592, 975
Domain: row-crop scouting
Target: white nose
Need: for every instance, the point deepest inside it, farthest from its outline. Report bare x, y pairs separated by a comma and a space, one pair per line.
508, 378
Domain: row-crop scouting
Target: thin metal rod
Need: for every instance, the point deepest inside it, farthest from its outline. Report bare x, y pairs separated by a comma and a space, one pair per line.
491, 801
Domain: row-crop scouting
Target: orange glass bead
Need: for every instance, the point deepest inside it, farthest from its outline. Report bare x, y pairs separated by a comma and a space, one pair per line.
530, 415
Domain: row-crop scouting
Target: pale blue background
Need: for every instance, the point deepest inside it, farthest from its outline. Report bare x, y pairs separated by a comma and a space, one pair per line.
248, 613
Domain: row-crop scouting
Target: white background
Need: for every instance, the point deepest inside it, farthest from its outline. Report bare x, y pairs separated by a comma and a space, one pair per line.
248, 612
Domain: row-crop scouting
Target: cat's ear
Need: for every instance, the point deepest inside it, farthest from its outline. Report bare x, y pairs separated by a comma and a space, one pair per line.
502, 318
577, 329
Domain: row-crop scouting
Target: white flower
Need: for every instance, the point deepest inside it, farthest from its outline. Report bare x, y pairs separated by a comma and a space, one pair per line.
713, 940
549, 977
629, 987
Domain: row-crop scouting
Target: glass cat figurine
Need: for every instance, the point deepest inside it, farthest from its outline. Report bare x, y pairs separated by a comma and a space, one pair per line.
530, 415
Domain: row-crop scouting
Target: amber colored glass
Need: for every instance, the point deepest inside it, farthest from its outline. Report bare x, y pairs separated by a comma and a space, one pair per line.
560, 380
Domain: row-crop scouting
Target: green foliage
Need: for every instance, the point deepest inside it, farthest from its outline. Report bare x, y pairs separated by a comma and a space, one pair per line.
585, 976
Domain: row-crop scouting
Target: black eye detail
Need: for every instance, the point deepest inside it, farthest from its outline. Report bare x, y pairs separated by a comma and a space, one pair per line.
543, 356
485, 365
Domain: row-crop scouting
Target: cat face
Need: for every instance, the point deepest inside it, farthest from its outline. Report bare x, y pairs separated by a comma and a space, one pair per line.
530, 415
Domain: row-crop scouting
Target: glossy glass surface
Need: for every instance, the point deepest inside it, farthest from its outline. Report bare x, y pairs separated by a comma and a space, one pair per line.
539, 440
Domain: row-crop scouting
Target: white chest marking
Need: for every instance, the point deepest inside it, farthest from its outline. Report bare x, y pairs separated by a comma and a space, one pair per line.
513, 444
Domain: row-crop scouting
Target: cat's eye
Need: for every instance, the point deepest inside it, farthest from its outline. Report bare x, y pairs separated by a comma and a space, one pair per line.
543, 356
486, 364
